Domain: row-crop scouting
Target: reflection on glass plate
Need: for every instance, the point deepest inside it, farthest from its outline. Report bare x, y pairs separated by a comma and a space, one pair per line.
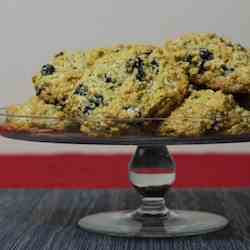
54, 129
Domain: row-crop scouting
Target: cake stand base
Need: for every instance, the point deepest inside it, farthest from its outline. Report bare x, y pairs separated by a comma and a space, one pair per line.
152, 173
176, 224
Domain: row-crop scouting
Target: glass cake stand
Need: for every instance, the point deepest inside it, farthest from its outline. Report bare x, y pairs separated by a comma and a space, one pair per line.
152, 172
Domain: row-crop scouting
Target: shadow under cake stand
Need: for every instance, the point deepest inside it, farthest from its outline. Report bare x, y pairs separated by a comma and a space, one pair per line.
152, 172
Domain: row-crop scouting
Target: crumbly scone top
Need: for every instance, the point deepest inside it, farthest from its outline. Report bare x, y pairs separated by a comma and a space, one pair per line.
213, 61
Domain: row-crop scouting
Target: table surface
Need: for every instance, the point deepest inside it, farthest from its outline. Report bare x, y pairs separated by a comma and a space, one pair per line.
46, 219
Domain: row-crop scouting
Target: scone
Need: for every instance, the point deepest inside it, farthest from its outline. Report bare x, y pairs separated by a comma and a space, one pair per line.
34, 114
213, 61
203, 112
131, 83
56, 80
238, 122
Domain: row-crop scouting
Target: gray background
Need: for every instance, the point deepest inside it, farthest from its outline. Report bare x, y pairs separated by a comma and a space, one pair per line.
31, 31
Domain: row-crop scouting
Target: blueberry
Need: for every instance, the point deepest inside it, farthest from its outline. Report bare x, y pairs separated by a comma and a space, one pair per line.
137, 64
38, 90
94, 102
206, 55
98, 100
108, 78
59, 54
189, 59
47, 69
90, 107
81, 90
242, 48
140, 74
64, 99
227, 70
87, 110
56, 102
155, 65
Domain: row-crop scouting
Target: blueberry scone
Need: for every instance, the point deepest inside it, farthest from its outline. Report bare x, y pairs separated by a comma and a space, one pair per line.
56, 80
34, 113
213, 61
203, 112
131, 83
238, 122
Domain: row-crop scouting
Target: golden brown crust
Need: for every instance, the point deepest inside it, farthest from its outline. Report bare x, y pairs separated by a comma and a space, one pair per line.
35, 114
213, 61
130, 83
111, 91
204, 111
238, 122
55, 86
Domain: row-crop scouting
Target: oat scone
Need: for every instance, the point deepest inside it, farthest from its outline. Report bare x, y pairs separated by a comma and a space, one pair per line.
213, 61
202, 112
132, 82
238, 122
56, 80
34, 113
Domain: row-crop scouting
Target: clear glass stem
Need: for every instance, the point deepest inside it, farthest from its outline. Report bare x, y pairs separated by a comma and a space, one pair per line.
152, 207
152, 172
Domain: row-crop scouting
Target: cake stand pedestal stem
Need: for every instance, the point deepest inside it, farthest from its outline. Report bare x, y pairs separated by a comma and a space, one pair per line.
152, 173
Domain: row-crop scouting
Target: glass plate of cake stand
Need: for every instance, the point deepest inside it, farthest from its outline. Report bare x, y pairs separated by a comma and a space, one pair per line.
152, 172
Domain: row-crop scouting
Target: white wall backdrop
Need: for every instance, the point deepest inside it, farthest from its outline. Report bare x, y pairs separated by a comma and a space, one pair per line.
31, 31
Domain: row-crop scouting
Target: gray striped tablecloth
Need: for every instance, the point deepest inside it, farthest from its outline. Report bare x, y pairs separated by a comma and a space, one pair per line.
46, 219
